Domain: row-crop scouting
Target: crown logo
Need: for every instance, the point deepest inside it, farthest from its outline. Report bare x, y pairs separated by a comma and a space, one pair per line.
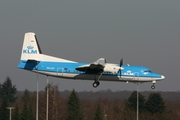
30, 47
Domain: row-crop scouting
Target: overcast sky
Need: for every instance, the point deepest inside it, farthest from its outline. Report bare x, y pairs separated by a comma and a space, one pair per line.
143, 32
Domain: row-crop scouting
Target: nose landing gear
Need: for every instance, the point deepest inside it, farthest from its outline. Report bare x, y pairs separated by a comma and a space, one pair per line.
153, 85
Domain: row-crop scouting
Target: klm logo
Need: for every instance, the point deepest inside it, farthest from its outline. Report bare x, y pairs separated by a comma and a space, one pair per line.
30, 50
128, 73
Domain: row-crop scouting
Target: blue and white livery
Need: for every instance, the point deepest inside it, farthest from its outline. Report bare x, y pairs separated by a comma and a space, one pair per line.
33, 60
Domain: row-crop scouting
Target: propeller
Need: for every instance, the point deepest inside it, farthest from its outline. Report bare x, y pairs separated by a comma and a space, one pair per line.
120, 64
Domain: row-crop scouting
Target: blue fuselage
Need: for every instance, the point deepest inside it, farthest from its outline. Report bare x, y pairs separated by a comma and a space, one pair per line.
68, 70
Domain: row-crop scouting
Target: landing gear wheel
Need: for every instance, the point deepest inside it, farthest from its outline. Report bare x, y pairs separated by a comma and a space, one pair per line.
152, 87
95, 84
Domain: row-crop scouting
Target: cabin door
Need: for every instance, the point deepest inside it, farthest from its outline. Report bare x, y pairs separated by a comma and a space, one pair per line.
60, 71
136, 76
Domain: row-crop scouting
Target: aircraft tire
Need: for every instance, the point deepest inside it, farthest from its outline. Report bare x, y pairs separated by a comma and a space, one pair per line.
152, 87
95, 84
98, 83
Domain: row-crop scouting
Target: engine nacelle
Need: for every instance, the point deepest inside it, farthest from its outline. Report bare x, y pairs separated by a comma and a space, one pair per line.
111, 68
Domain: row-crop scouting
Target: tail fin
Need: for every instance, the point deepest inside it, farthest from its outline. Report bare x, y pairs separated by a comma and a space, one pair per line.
31, 48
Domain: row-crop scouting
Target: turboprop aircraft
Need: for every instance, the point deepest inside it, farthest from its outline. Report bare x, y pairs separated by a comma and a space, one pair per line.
33, 60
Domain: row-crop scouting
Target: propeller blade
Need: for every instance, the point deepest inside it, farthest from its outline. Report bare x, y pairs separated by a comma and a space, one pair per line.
120, 64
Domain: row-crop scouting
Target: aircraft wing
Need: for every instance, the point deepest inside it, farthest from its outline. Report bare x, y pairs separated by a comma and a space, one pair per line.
99, 66
96, 67
92, 66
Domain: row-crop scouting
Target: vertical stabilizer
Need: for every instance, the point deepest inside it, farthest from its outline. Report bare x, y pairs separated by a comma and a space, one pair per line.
30, 49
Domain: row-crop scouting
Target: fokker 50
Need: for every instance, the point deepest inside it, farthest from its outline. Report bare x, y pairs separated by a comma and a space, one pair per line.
33, 60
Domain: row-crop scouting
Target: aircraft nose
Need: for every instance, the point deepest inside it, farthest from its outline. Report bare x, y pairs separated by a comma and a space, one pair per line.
162, 77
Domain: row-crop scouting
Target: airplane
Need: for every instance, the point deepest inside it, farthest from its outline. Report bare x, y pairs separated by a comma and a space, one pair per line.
32, 59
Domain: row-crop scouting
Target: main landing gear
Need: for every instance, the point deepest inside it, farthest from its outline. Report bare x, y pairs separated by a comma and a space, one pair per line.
96, 82
153, 85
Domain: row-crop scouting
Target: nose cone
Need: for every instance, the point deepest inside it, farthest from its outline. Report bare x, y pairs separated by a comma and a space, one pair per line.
162, 77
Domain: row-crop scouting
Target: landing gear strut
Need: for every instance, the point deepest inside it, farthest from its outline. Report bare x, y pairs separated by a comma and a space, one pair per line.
96, 82
153, 85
